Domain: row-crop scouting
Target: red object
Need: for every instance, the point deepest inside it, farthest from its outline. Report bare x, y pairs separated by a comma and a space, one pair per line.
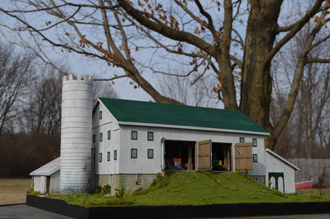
304, 185
175, 160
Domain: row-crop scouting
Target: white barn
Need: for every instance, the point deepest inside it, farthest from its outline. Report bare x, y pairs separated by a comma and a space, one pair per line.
133, 141
127, 143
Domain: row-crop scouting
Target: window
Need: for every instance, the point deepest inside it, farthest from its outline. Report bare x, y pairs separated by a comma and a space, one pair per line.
93, 138
100, 115
255, 157
100, 157
108, 156
101, 136
134, 135
150, 153
110, 180
109, 134
150, 136
241, 140
115, 155
133, 153
139, 179
256, 178
254, 142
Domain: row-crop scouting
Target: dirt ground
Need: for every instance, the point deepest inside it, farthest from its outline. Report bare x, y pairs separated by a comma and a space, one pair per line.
13, 191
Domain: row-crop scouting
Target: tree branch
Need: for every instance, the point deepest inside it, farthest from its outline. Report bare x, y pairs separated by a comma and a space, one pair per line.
110, 79
297, 27
167, 31
240, 41
63, 5
319, 42
166, 47
317, 60
210, 25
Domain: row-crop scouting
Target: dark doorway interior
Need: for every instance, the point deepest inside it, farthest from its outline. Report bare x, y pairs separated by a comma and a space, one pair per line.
179, 155
221, 152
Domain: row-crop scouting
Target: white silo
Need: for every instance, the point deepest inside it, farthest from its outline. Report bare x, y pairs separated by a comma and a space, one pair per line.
76, 134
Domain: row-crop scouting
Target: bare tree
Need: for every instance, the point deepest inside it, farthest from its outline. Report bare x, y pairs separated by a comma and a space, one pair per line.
34, 138
314, 95
43, 113
194, 90
22, 153
15, 71
301, 134
202, 35
102, 89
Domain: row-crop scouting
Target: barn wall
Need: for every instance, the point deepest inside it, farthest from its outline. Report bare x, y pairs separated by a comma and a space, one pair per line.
143, 165
55, 182
40, 184
276, 165
108, 122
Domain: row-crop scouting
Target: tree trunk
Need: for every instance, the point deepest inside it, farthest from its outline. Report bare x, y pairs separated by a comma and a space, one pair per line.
256, 79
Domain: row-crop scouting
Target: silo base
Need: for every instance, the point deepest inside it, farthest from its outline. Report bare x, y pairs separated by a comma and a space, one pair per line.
127, 181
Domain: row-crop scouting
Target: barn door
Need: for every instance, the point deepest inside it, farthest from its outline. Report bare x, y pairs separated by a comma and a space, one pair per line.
277, 180
48, 184
243, 157
204, 155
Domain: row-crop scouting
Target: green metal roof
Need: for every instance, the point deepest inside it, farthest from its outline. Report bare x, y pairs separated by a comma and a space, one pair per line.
180, 115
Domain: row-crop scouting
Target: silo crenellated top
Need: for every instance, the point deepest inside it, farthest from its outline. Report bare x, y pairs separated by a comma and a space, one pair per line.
77, 78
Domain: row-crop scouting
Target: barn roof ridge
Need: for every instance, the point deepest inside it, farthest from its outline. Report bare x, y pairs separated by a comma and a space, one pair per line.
132, 112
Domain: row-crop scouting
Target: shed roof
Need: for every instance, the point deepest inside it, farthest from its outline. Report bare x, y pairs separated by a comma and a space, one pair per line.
129, 112
282, 159
48, 169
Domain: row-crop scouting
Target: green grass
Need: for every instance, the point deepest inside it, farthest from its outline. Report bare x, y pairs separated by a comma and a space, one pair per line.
313, 191
195, 188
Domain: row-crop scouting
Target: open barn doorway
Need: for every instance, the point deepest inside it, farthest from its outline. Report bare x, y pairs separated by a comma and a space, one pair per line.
221, 156
179, 155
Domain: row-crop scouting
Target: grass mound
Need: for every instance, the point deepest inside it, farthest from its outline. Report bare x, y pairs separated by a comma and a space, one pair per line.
91, 200
195, 188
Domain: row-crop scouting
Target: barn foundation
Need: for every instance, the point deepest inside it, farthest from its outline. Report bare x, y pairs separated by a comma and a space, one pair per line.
131, 182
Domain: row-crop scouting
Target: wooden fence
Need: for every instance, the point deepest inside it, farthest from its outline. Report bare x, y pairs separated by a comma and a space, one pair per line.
315, 170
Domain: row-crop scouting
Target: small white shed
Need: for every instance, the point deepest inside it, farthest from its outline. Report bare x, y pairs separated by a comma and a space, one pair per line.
280, 172
46, 179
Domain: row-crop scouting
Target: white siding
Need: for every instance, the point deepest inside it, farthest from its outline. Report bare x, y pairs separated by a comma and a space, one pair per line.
55, 182
151, 166
40, 184
259, 168
274, 164
108, 122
